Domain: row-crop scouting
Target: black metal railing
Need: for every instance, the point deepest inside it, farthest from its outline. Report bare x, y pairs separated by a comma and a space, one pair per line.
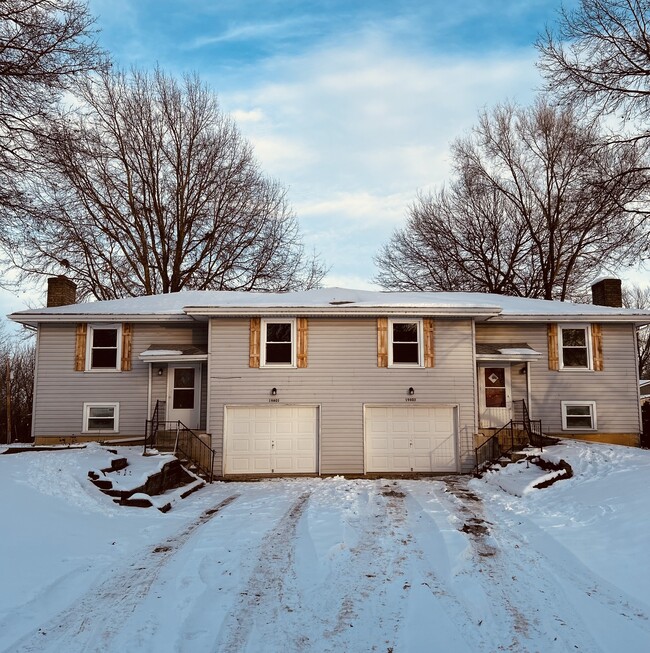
519, 432
151, 426
182, 441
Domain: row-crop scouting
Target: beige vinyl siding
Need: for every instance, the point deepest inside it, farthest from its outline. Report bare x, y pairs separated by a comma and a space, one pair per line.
614, 389
342, 375
518, 381
61, 391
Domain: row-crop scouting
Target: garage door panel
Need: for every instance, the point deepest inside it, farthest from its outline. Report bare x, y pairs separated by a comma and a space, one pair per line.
412, 438
264, 440
400, 444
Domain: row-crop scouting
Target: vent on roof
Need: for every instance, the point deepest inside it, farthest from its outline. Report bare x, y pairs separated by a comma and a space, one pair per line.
340, 302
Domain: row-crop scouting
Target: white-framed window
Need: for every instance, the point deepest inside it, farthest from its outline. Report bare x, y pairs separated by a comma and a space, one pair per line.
278, 343
575, 347
101, 417
104, 347
405, 342
579, 415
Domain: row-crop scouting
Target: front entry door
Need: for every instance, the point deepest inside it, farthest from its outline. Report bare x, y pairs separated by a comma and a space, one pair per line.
184, 394
495, 396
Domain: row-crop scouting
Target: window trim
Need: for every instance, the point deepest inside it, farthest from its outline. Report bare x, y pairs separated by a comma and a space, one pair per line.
115, 405
588, 343
593, 415
418, 322
118, 348
294, 335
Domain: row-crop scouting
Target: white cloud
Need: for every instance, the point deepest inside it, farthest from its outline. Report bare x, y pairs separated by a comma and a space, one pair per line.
249, 32
357, 128
254, 115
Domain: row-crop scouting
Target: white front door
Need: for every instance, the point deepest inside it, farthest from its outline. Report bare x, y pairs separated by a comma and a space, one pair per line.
495, 395
184, 394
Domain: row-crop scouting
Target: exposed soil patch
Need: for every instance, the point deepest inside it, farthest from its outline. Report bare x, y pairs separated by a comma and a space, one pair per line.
476, 527
393, 493
565, 471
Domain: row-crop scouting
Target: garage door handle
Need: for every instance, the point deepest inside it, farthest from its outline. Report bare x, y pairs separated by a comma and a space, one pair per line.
272, 444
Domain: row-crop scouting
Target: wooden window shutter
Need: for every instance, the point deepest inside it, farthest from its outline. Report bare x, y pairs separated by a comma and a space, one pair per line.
382, 342
553, 353
80, 347
254, 343
597, 346
429, 327
127, 337
302, 342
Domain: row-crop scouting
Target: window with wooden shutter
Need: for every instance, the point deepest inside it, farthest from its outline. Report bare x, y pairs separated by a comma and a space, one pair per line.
553, 355
127, 336
254, 344
428, 326
80, 347
302, 342
597, 346
382, 342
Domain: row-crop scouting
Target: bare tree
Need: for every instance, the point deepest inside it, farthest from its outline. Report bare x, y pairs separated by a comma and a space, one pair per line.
639, 297
599, 57
17, 358
538, 205
44, 45
149, 188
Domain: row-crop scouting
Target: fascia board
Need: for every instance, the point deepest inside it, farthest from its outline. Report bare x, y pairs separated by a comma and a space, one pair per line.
638, 320
33, 319
357, 311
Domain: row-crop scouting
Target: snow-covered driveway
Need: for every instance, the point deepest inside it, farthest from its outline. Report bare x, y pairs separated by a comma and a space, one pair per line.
347, 565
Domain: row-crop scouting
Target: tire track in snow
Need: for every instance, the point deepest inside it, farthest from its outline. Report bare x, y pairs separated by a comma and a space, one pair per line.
367, 613
91, 622
524, 608
269, 595
584, 580
315, 617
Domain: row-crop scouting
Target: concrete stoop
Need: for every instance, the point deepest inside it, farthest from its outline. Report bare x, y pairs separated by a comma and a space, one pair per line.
170, 477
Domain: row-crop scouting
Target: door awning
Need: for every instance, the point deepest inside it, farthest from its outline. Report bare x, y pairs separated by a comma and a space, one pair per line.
174, 354
506, 352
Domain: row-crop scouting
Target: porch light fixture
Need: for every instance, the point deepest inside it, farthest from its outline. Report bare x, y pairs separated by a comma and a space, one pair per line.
411, 391
160, 371
274, 391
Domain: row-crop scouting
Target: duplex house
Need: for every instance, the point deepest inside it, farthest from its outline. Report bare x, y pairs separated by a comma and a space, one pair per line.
334, 381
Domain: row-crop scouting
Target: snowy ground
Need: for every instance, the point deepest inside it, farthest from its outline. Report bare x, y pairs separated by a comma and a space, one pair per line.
329, 564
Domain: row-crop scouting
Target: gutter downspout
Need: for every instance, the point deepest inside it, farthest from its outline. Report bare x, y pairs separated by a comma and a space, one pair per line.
528, 391
149, 391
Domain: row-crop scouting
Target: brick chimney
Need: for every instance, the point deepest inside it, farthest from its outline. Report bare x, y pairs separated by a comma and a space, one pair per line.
607, 292
61, 291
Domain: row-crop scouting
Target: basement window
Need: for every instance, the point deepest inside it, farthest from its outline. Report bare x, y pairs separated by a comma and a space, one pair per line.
579, 416
101, 417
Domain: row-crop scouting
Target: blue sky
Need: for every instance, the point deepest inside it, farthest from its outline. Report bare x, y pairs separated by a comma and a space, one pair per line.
351, 105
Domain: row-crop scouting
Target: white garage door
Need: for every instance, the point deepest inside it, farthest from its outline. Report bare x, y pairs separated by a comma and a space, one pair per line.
410, 438
271, 439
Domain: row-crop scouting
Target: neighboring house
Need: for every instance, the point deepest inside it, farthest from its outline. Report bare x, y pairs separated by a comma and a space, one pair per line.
644, 391
334, 381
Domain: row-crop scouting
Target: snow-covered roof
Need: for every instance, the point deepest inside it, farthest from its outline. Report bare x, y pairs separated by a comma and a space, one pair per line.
198, 304
171, 353
510, 351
